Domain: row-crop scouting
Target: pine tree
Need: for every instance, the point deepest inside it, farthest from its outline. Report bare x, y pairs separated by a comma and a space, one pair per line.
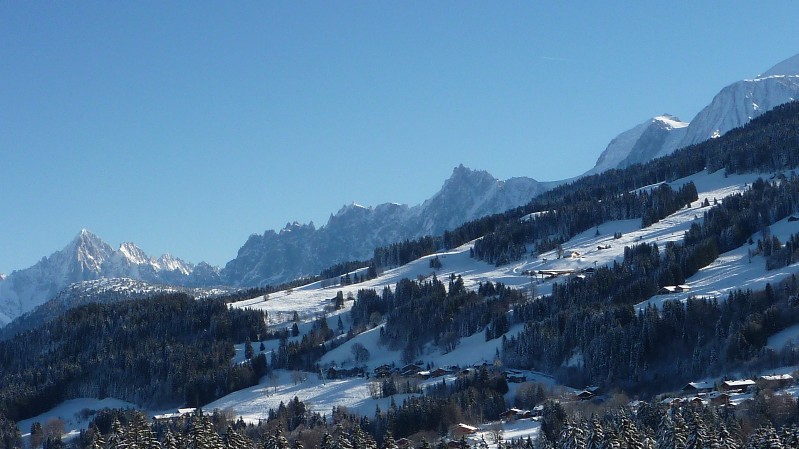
388, 441
697, 433
596, 436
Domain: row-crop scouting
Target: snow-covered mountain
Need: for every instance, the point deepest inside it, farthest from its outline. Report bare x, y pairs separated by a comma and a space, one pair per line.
88, 258
354, 231
640, 143
734, 106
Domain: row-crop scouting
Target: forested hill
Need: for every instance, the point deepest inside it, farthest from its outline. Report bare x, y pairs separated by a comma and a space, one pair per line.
162, 351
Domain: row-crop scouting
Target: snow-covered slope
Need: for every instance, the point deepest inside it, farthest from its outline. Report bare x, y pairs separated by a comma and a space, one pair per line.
733, 107
354, 232
88, 258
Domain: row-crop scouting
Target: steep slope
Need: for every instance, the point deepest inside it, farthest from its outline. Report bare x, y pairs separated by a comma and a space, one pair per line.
734, 106
87, 258
354, 231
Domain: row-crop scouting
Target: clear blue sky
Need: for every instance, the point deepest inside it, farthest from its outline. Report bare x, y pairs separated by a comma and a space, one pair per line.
187, 126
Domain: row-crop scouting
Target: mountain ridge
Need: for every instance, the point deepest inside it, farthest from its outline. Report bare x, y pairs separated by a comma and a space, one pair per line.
733, 106
355, 230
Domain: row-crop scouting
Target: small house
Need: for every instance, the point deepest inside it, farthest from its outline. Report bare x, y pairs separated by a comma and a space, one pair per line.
775, 381
698, 387
585, 395
737, 386
461, 430
410, 369
719, 398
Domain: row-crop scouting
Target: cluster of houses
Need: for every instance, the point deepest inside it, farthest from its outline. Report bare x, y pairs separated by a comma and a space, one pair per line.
723, 392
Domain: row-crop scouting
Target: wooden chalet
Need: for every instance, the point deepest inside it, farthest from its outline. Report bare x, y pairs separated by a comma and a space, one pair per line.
669, 289
410, 369
513, 414
775, 381
334, 373
719, 398
698, 387
737, 386
461, 430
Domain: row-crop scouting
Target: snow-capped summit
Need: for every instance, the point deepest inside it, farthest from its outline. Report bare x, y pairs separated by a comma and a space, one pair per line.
355, 230
640, 143
85, 258
732, 107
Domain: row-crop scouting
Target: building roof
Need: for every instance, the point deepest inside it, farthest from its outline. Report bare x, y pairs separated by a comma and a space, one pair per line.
739, 383
706, 385
777, 377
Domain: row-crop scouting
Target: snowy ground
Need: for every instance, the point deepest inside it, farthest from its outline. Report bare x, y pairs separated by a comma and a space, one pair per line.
319, 395
75, 413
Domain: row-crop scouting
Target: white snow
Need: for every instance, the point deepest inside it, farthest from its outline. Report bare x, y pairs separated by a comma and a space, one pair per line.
76, 414
789, 335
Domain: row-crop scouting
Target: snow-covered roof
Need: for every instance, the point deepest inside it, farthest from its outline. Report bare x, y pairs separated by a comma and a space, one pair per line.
706, 385
739, 383
777, 377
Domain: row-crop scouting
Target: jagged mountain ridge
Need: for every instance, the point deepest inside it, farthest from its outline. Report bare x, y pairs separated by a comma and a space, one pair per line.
734, 106
355, 231
87, 258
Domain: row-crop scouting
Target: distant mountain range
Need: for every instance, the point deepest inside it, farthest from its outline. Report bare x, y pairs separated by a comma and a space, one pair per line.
354, 231
274, 257
734, 106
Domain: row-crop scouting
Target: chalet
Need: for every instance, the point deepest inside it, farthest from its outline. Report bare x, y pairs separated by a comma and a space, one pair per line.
174, 416
438, 372
538, 410
423, 375
575, 255
461, 430
383, 371
585, 395
333, 373
737, 386
696, 400
775, 381
513, 414
515, 378
698, 387
410, 370
669, 289
719, 398
403, 443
